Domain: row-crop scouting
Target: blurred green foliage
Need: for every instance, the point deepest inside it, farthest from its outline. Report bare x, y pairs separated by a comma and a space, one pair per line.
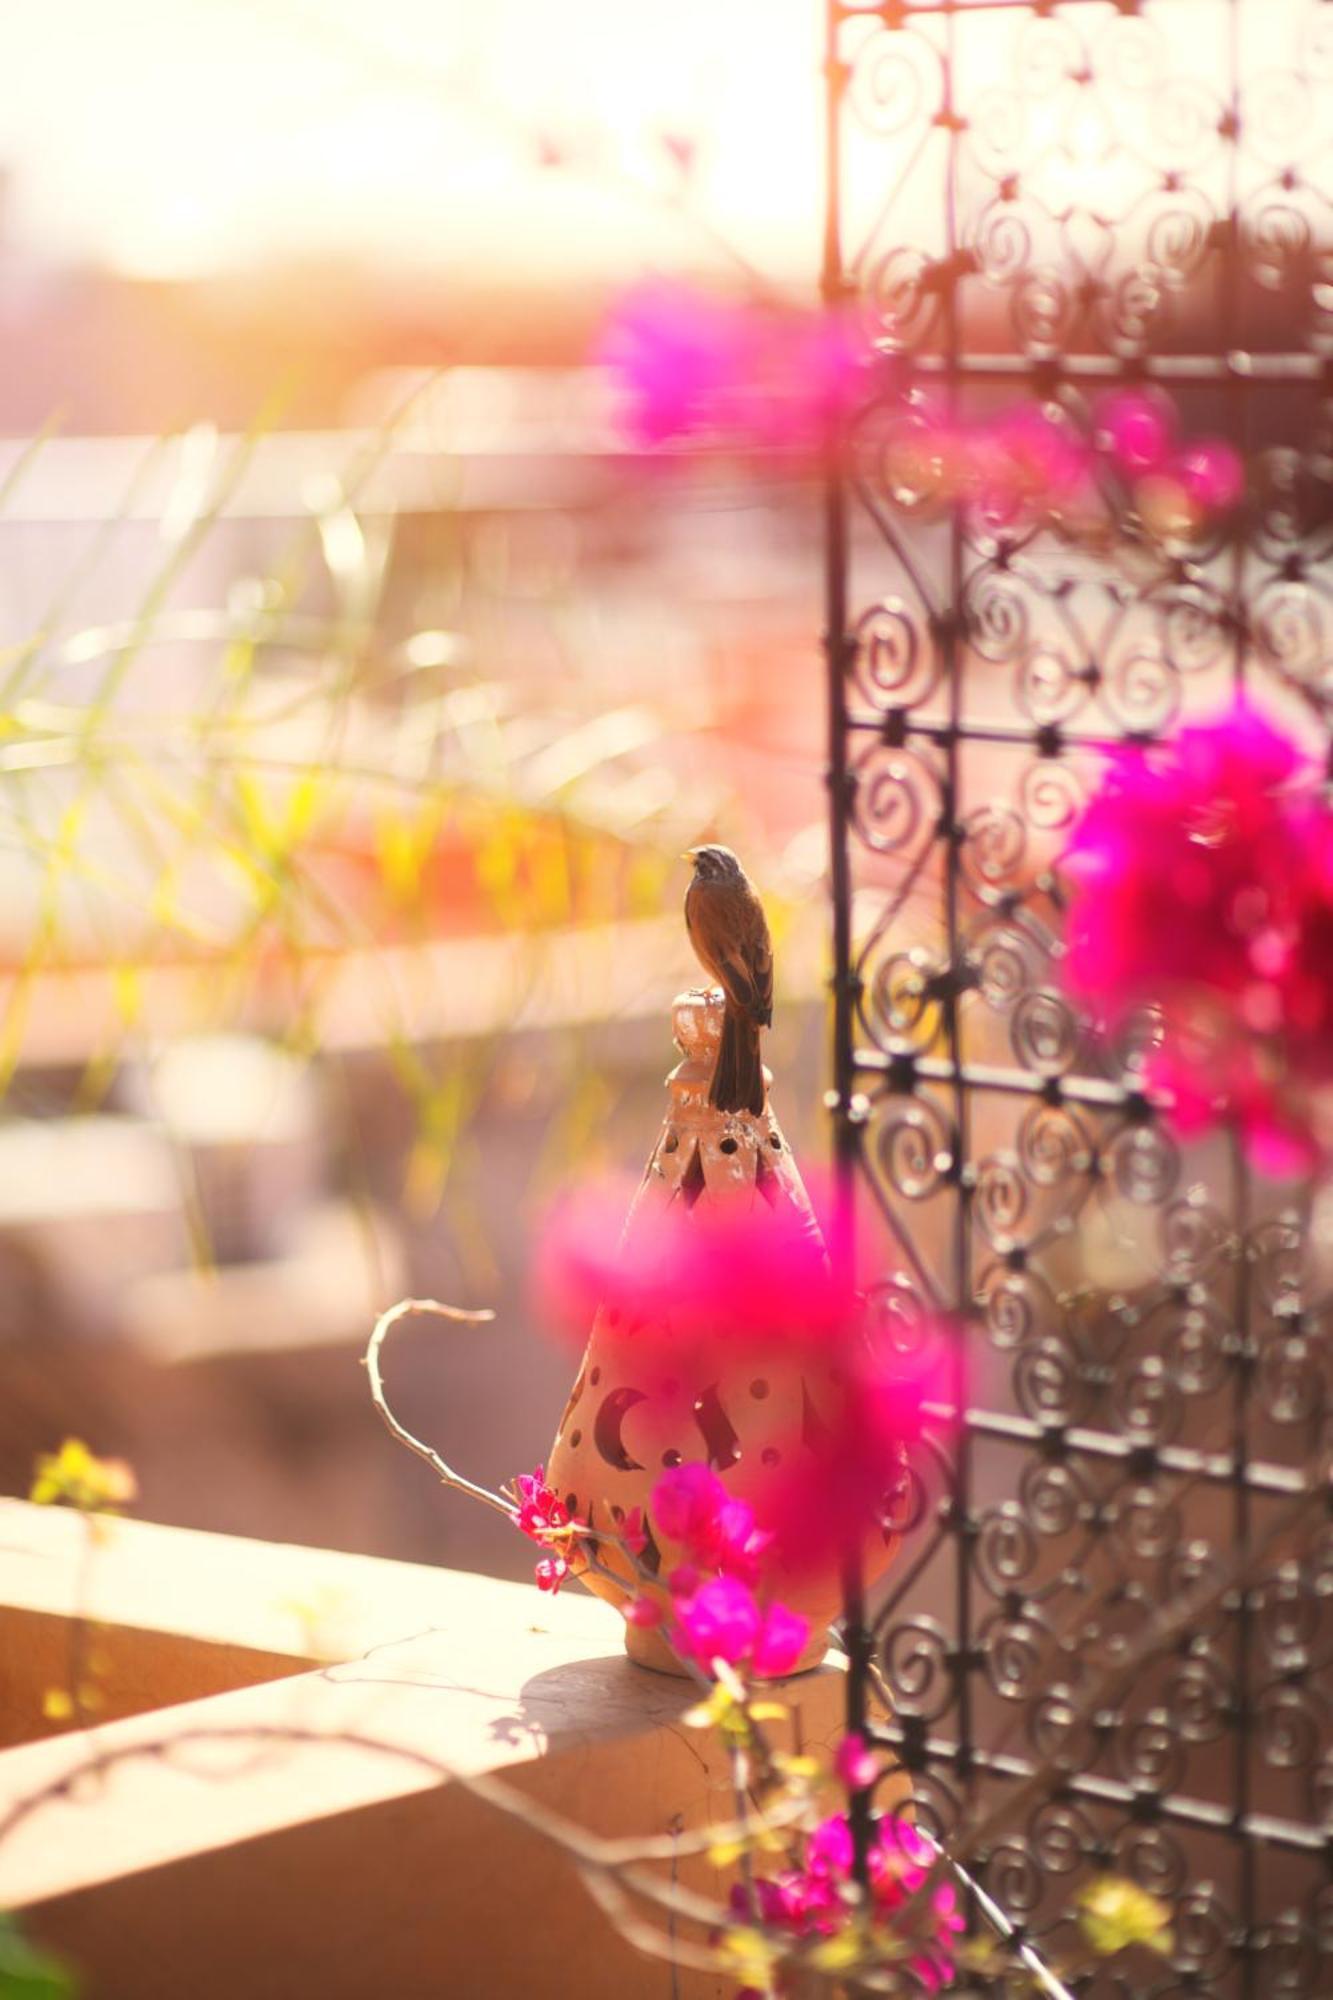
29, 1973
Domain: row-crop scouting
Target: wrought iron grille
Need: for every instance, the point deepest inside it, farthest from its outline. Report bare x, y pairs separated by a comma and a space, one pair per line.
1109, 1641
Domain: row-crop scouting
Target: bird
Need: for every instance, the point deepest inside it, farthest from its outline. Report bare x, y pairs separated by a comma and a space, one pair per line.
729, 932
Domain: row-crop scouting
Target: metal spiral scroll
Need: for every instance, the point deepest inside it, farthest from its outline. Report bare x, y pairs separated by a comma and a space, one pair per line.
1040, 203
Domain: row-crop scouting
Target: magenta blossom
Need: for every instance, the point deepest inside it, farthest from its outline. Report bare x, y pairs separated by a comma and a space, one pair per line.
741, 374
1186, 864
539, 1512
724, 1621
686, 1502
856, 1763
1026, 461
692, 1508
551, 1572
1212, 474
1137, 430
679, 1284
811, 1899
677, 355
545, 1519
843, 1487
1202, 873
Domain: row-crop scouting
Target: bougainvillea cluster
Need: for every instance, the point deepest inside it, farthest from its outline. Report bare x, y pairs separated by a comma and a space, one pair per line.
1178, 484
741, 374
682, 1279
1035, 460
707, 1566
752, 375
813, 1898
541, 1515
718, 1609
686, 1285
1202, 879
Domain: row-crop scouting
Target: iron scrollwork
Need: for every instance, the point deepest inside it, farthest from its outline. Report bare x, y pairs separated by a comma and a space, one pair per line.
1039, 203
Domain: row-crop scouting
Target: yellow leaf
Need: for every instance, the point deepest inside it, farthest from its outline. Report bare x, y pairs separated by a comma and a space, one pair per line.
768, 1711
1115, 1913
840, 1953
796, 1767
302, 805
67, 832
164, 903
750, 1953
127, 992
73, 1475
708, 1714
254, 812
726, 1853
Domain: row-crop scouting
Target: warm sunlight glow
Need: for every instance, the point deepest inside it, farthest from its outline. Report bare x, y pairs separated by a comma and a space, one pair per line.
197, 135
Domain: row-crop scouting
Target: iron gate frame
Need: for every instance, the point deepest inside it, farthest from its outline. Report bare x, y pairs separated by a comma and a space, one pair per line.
1238, 1944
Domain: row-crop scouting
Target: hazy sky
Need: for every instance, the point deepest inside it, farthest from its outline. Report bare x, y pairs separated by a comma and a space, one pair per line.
174, 137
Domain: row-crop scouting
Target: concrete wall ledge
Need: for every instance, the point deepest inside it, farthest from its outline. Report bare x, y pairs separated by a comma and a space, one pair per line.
313, 1834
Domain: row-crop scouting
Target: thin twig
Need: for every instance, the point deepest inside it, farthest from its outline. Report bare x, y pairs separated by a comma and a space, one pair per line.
387, 1320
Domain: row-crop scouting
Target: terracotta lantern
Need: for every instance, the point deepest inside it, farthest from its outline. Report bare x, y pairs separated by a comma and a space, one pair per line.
745, 1415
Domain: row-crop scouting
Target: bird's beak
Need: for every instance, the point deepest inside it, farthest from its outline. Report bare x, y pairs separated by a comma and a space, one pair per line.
690, 854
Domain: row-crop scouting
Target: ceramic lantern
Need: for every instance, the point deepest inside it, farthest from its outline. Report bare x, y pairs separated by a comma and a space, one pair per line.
745, 1415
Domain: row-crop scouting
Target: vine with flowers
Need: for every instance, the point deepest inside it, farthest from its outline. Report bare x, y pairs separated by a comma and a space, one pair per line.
800, 1916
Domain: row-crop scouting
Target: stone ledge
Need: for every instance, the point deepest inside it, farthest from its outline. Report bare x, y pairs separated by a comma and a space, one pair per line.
303, 1836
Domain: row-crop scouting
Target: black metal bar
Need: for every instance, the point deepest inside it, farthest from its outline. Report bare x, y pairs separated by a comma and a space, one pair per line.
857, 1638
1248, 366
1267, 1829
1089, 1090
1218, 1468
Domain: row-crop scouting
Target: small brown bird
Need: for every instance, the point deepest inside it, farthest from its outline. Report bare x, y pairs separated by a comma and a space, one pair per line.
729, 932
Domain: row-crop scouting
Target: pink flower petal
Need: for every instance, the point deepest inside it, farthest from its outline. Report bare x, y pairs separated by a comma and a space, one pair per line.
856, 1764
781, 1640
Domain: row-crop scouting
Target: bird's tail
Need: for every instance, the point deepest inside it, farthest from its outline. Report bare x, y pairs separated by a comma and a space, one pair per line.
738, 1075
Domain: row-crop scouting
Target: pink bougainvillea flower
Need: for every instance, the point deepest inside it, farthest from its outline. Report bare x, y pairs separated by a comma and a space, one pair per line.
842, 1487
539, 1511
779, 1643
1212, 474
1224, 1078
742, 374
685, 1505
718, 1616
545, 1519
723, 1620
742, 1544
633, 1532
677, 355
551, 1572
1186, 864
809, 1900
805, 373
1203, 885
678, 1287
677, 1283
1026, 461
692, 1508
856, 1764
1137, 430
644, 1611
